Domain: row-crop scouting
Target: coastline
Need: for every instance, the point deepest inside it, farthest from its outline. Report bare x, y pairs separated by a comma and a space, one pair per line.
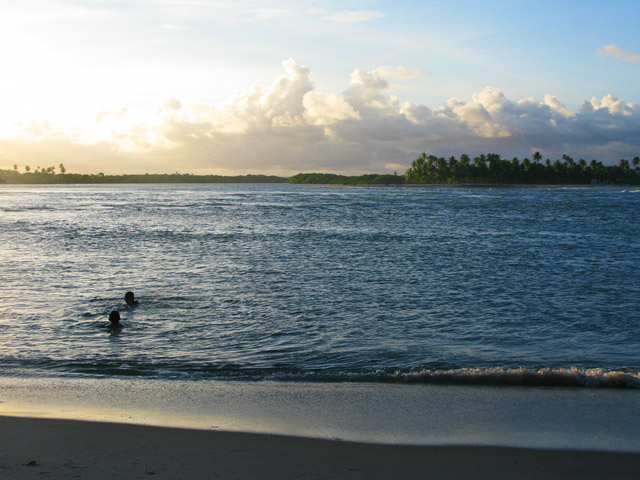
550, 418
40, 448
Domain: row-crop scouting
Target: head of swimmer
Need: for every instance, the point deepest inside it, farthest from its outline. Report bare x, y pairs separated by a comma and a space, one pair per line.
114, 318
129, 299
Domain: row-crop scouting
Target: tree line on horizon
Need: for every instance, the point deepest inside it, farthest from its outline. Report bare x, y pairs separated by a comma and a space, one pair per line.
426, 169
335, 179
49, 176
493, 169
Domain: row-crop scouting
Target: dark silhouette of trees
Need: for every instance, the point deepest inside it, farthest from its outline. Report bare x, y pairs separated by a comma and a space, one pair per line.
49, 176
537, 157
492, 169
488, 168
333, 179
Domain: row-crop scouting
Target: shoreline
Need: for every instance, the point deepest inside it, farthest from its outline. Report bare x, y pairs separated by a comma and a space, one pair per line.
427, 415
52, 427
344, 185
37, 448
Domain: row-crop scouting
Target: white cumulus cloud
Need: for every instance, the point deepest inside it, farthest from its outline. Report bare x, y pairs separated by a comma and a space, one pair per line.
290, 126
617, 52
398, 72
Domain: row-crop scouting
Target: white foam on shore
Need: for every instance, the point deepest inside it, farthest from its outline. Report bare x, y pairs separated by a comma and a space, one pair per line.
534, 417
524, 377
567, 377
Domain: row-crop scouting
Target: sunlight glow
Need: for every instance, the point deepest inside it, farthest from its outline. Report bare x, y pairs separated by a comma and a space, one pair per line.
88, 81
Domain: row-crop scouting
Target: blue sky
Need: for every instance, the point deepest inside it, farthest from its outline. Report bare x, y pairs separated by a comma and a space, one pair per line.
88, 82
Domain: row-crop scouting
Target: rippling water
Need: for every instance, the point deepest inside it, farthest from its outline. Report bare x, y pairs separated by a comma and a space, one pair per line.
471, 285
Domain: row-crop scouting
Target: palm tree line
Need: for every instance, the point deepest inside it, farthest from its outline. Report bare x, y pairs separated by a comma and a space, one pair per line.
426, 169
493, 169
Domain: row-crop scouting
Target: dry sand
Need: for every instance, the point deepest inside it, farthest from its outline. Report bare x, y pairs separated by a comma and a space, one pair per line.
46, 448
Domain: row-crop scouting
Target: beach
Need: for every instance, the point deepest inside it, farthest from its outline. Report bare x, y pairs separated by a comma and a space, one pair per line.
118, 428
45, 448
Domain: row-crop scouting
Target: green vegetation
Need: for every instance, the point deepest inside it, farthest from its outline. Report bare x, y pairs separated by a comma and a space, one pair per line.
492, 169
426, 169
333, 179
49, 176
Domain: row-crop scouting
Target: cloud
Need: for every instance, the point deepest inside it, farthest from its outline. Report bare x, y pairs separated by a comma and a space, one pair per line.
556, 106
354, 16
617, 52
290, 126
398, 72
172, 104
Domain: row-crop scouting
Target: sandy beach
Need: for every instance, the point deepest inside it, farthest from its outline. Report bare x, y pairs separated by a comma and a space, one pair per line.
120, 429
47, 448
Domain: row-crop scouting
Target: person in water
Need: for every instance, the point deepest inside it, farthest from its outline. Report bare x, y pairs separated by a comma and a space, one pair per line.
114, 318
130, 300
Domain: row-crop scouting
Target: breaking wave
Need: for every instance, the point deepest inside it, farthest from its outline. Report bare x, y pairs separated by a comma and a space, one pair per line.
544, 377
622, 378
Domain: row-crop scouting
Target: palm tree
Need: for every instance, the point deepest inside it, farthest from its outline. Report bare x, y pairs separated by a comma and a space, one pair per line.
624, 164
515, 169
537, 157
441, 164
582, 164
417, 173
559, 170
480, 161
568, 160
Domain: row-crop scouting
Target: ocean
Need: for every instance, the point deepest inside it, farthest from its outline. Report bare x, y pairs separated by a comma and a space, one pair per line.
457, 285
432, 315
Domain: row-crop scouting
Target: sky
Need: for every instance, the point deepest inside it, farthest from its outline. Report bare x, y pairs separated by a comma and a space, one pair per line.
241, 86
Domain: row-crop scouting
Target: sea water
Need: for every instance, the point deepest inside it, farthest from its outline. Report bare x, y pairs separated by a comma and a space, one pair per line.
466, 285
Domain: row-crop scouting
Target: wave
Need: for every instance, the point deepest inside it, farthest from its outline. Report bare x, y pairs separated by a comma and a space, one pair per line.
543, 377
25, 209
621, 378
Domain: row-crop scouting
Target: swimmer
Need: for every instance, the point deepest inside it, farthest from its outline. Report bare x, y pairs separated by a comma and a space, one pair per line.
114, 318
129, 299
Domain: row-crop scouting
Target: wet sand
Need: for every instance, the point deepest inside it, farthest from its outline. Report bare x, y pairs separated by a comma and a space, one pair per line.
47, 448
587, 419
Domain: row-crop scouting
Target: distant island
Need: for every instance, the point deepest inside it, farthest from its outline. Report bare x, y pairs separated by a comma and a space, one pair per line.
50, 176
489, 169
492, 169
334, 179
